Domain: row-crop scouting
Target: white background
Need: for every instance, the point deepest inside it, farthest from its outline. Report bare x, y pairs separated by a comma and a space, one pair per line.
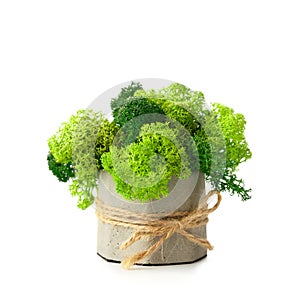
58, 56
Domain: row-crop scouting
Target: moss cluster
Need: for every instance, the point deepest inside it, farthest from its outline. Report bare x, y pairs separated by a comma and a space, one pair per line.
179, 103
75, 152
218, 134
143, 169
155, 135
124, 95
62, 171
104, 140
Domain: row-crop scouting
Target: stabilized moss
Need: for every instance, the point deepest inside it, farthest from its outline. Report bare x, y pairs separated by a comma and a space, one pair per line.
143, 169
73, 155
155, 135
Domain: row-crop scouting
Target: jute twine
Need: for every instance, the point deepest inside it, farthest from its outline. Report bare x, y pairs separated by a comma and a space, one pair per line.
153, 225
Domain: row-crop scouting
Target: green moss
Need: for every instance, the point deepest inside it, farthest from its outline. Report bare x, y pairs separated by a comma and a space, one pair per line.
233, 127
217, 133
134, 113
85, 162
204, 150
63, 172
222, 147
143, 169
60, 144
135, 106
237, 150
104, 140
126, 93
155, 135
234, 185
74, 144
179, 103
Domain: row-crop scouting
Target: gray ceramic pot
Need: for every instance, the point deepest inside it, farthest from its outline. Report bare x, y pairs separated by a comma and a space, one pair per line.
184, 195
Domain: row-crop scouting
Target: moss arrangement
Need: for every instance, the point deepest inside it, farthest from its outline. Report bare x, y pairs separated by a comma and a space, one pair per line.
154, 135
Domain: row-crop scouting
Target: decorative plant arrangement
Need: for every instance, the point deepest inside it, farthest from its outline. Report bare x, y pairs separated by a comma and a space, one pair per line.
146, 167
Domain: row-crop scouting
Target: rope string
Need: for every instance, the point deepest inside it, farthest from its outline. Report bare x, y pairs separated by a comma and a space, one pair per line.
157, 225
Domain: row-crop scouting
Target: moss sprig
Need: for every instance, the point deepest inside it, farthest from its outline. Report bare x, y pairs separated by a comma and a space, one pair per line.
62, 171
124, 95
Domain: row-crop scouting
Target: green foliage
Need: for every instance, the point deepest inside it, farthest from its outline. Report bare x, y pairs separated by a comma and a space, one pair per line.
214, 157
179, 103
125, 93
63, 172
237, 150
131, 111
177, 93
143, 169
192, 102
233, 127
83, 146
126, 182
232, 184
135, 107
83, 191
167, 139
204, 151
217, 133
155, 135
73, 153
180, 114
60, 144
105, 137
222, 147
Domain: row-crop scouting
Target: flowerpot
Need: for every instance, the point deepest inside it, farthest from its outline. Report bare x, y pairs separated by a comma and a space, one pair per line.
177, 249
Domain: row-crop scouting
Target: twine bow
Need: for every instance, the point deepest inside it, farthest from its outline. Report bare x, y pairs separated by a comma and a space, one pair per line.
151, 225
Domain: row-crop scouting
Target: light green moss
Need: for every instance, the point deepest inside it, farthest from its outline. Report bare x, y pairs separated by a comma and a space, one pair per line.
233, 127
160, 134
143, 169
74, 144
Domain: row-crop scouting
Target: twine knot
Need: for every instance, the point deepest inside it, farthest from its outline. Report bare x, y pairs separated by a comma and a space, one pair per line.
178, 226
154, 225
